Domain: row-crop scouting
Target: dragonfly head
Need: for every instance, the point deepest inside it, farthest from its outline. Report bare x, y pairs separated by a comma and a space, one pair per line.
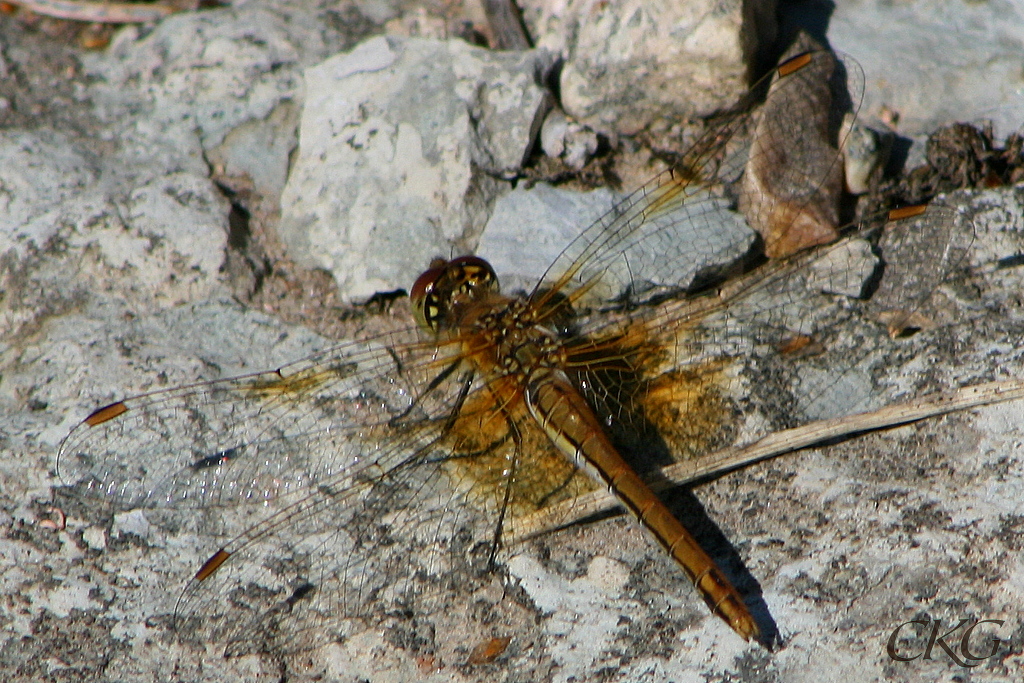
447, 286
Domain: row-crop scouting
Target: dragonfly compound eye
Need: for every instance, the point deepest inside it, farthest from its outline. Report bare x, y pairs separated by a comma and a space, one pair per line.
449, 283
471, 275
426, 307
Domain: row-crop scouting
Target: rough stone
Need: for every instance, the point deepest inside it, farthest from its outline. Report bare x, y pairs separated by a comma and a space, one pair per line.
548, 219
933, 63
633, 65
398, 143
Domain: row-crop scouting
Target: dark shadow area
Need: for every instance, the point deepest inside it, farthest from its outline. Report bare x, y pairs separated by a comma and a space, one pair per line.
810, 16
898, 156
1014, 261
685, 505
769, 28
760, 37
690, 511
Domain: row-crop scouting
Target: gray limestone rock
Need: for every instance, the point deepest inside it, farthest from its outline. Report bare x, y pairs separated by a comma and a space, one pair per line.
633, 66
398, 149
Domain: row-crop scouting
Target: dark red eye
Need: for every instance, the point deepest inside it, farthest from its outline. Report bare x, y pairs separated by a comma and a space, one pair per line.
423, 297
446, 284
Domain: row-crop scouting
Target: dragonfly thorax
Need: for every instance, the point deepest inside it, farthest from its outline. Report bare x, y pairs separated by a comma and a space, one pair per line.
506, 338
459, 299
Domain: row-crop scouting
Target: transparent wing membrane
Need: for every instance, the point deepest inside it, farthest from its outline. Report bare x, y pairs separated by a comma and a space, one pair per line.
685, 221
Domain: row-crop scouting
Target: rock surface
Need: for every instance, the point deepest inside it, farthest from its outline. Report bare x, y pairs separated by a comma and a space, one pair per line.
627, 62
115, 247
399, 142
933, 62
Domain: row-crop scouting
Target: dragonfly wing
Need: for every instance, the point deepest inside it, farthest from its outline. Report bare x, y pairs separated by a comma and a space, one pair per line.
366, 478
794, 178
682, 227
792, 341
813, 321
920, 249
334, 463
369, 547
248, 439
420, 524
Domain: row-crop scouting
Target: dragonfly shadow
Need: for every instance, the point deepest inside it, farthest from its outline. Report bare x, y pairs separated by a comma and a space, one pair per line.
690, 511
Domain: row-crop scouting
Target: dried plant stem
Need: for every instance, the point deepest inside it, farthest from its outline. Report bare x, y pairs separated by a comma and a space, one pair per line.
98, 12
780, 443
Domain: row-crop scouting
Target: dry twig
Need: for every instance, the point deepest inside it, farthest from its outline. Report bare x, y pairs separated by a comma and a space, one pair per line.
98, 12
780, 443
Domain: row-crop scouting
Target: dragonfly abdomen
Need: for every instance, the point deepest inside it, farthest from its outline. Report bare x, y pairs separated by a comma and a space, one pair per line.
568, 421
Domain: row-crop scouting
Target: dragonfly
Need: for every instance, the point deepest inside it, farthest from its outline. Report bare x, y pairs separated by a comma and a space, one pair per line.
369, 472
